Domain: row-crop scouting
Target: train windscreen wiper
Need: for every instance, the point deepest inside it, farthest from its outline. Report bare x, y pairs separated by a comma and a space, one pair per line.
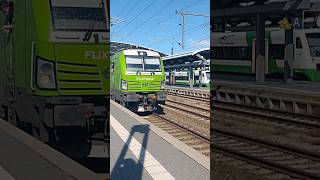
92, 25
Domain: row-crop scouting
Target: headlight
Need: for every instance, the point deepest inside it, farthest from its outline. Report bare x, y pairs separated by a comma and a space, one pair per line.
46, 74
163, 83
124, 85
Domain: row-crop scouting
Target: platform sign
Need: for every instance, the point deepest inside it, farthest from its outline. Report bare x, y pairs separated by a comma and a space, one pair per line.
297, 22
215, 27
284, 23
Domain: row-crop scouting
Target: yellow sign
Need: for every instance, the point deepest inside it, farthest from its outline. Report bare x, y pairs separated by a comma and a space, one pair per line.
284, 23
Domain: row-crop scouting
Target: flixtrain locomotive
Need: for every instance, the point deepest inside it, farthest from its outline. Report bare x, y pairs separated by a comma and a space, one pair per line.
137, 80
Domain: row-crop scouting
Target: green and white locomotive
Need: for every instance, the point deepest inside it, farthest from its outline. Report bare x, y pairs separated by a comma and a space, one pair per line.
137, 80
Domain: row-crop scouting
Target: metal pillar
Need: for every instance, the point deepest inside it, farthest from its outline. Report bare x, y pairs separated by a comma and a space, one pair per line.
171, 78
260, 48
182, 32
288, 59
200, 77
190, 74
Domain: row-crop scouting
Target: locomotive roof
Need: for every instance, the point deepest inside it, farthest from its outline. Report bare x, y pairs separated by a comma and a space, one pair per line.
135, 52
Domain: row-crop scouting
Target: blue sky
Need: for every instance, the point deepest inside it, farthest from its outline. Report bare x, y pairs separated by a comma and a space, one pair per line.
155, 24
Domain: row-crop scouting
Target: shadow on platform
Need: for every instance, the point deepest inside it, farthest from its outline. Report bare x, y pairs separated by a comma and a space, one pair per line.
128, 167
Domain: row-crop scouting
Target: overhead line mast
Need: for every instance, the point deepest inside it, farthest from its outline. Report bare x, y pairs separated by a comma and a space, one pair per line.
183, 14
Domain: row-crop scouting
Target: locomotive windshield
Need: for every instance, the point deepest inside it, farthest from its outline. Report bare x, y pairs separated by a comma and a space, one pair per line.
78, 15
149, 64
134, 64
314, 44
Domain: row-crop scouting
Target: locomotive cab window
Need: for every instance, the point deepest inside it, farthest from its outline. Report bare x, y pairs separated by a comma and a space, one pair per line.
134, 64
151, 64
78, 15
298, 43
145, 63
314, 44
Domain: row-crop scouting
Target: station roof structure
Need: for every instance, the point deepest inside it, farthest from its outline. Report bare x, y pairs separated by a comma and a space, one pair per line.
118, 46
188, 59
235, 12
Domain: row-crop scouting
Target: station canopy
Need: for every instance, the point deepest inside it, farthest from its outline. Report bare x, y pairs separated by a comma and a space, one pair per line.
118, 46
240, 15
189, 59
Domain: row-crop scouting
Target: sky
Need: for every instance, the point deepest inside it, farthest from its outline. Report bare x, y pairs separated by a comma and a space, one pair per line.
154, 24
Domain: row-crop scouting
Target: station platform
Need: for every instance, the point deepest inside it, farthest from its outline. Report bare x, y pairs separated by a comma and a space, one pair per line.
205, 89
24, 157
188, 87
295, 85
141, 151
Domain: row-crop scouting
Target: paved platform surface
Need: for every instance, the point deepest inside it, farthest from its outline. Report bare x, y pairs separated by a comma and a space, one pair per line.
138, 153
23, 157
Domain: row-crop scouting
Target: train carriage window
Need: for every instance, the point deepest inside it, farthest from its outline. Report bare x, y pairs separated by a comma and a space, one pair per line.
217, 53
181, 77
232, 53
314, 44
196, 78
276, 51
298, 43
208, 75
245, 53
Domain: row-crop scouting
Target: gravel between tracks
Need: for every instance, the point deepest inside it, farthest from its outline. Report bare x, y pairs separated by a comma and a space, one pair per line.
184, 119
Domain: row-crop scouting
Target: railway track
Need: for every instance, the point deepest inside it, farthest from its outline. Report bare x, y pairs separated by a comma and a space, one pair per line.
272, 158
199, 102
195, 139
294, 162
267, 115
195, 108
190, 97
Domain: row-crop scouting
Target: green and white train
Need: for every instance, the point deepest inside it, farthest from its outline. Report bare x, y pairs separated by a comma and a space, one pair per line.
235, 52
182, 78
137, 80
54, 67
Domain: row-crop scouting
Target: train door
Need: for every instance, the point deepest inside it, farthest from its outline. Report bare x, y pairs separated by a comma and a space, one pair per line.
253, 60
299, 58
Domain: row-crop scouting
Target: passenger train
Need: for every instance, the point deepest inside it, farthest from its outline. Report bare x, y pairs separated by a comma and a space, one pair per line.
182, 78
235, 52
